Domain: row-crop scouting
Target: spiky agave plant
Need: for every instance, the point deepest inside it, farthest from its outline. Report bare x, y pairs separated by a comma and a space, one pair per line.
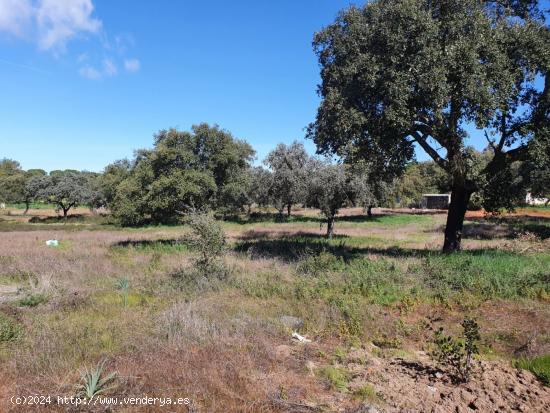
93, 382
123, 286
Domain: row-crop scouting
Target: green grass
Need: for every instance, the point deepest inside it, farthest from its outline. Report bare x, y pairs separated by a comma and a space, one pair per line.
9, 329
539, 366
367, 393
336, 377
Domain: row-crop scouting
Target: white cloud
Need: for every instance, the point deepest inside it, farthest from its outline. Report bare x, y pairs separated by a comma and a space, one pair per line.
90, 72
15, 16
60, 20
132, 65
51, 22
109, 68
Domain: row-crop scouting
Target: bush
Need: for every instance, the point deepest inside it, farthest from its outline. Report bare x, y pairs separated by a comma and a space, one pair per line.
319, 264
208, 239
33, 300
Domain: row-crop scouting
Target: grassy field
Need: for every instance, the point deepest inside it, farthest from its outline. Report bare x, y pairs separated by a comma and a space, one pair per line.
369, 299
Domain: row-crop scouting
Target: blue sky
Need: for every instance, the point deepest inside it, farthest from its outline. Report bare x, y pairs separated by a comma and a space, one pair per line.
86, 82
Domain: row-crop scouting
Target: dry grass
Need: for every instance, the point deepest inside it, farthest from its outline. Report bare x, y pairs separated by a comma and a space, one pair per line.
226, 346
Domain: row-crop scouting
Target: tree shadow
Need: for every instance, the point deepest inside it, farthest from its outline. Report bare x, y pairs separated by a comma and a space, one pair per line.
507, 227
296, 247
256, 218
145, 243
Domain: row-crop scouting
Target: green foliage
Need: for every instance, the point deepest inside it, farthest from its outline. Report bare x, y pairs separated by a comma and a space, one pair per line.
539, 366
290, 171
456, 354
9, 329
94, 382
64, 189
487, 274
336, 377
320, 264
367, 393
329, 190
123, 287
208, 238
33, 300
202, 168
399, 73
260, 183
420, 178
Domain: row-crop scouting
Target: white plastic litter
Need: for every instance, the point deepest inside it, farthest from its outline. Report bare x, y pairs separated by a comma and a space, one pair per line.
300, 338
52, 243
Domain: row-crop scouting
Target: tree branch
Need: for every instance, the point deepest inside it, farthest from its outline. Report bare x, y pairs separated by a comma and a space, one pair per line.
517, 154
443, 163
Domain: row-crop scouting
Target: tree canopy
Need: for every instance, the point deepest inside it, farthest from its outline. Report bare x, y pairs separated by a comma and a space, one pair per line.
196, 169
403, 72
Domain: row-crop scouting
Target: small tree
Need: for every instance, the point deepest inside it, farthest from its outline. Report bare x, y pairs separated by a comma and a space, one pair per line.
65, 190
289, 184
457, 354
208, 238
260, 181
330, 191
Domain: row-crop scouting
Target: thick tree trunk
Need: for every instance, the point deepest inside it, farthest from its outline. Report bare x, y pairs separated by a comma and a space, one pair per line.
330, 227
288, 208
369, 211
65, 212
27, 206
460, 197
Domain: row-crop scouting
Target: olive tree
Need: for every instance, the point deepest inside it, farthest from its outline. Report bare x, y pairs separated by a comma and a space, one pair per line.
400, 73
289, 184
330, 190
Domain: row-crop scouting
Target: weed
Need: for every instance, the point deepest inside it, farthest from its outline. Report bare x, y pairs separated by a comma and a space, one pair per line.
33, 300
9, 329
94, 382
336, 377
315, 265
539, 366
367, 393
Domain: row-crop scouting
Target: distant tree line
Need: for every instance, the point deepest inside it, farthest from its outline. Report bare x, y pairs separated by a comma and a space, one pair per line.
209, 169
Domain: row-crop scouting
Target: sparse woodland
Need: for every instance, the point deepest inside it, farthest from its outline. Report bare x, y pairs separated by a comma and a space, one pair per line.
301, 282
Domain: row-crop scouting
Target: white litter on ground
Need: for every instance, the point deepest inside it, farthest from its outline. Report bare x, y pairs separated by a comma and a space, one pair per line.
300, 338
52, 243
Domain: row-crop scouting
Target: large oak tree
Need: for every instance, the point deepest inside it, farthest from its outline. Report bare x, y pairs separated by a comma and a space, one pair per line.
396, 73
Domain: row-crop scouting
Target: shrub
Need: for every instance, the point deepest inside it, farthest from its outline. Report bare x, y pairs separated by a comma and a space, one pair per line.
9, 330
457, 353
209, 240
33, 300
539, 366
319, 264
